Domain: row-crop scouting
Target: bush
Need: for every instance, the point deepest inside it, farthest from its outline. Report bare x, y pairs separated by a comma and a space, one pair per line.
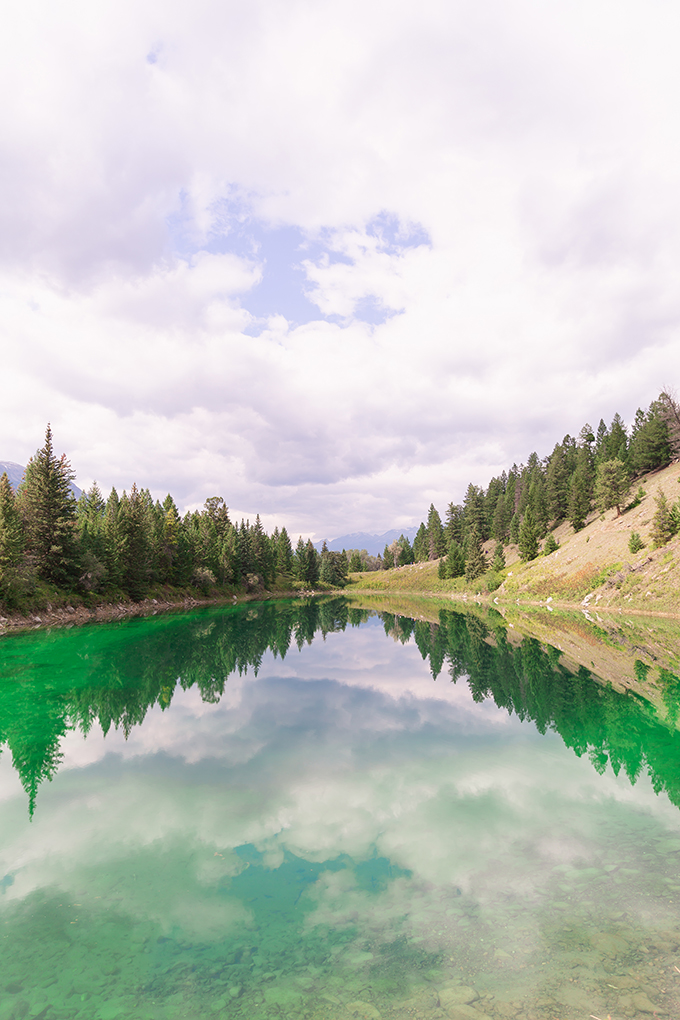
635, 543
551, 544
493, 580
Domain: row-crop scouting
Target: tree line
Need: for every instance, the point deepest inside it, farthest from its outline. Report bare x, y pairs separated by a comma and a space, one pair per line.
127, 545
522, 506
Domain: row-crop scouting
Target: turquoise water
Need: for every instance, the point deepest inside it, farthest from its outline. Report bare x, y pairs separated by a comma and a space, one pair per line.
279, 811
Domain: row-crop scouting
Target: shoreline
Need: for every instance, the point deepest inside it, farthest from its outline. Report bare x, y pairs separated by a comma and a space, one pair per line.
107, 612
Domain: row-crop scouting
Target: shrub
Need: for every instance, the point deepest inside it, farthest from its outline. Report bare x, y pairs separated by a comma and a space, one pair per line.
551, 544
635, 543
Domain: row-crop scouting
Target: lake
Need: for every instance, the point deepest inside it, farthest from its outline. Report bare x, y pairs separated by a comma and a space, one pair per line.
317, 810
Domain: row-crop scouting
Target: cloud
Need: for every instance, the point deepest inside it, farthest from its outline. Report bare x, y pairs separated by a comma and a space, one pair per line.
333, 262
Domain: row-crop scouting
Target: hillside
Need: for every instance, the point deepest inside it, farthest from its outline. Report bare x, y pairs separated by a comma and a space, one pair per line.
592, 568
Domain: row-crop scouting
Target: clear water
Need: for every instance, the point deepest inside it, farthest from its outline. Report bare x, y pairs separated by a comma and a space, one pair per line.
279, 811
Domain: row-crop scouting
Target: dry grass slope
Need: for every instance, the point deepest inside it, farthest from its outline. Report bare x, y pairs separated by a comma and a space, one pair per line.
592, 568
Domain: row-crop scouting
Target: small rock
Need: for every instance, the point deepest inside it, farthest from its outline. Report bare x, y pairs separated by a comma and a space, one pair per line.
641, 1002
235, 991
454, 995
363, 1009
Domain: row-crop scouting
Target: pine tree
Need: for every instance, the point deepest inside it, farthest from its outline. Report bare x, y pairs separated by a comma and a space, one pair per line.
475, 561
284, 553
435, 534
662, 522
514, 528
48, 510
134, 543
557, 481
498, 562
421, 545
612, 485
388, 558
669, 409
455, 560
528, 537
455, 522
11, 544
580, 490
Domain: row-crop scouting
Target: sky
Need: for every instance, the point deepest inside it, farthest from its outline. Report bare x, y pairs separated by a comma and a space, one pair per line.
333, 261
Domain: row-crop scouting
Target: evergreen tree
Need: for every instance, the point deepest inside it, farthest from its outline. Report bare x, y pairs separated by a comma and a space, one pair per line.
421, 545
475, 517
669, 410
355, 564
134, 543
612, 485
455, 523
551, 545
435, 534
616, 445
498, 562
388, 558
11, 544
48, 510
475, 561
580, 490
405, 554
663, 527
650, 445
514, 528
557, 482
284, 553
528, 537
311, 563
455, 560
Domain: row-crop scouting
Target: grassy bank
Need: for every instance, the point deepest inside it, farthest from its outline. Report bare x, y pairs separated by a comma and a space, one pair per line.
592, 568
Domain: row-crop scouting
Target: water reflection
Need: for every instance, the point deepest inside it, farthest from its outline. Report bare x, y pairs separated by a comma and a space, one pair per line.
332, 832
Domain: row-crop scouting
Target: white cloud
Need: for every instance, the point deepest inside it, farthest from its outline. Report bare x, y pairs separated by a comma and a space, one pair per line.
146, 149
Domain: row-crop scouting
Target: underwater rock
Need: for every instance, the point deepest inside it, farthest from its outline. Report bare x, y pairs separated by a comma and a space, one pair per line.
364, 1010
609, 945
454, 995
643, 1004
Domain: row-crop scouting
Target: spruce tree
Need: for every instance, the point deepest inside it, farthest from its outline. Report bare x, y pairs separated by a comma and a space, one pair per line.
421, 545
455, 560
11, 544
475, 561
498, 562
435, 534
48, 510
388, 558
134, 543
663, 528
528, 537
612, 485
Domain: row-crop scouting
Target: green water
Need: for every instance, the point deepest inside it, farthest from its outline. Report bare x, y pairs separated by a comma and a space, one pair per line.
308, 810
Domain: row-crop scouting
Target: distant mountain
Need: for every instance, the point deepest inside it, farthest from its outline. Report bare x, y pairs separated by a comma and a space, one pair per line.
15, 472
373, 544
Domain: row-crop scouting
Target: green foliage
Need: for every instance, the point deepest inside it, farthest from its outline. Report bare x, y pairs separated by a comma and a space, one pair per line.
13, 581
475, 561
612, 485
498, 562
435, 534
355, 563
551, 544
650, 444
48, 511
455, 560
663, 524
388, 558
421, 545
514, 529
528, 537
635, 543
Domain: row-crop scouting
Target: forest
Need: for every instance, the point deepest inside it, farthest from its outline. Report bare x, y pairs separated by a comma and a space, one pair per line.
595, 470
54, 546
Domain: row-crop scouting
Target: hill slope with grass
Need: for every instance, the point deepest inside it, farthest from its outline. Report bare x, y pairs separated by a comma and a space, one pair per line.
592, 568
